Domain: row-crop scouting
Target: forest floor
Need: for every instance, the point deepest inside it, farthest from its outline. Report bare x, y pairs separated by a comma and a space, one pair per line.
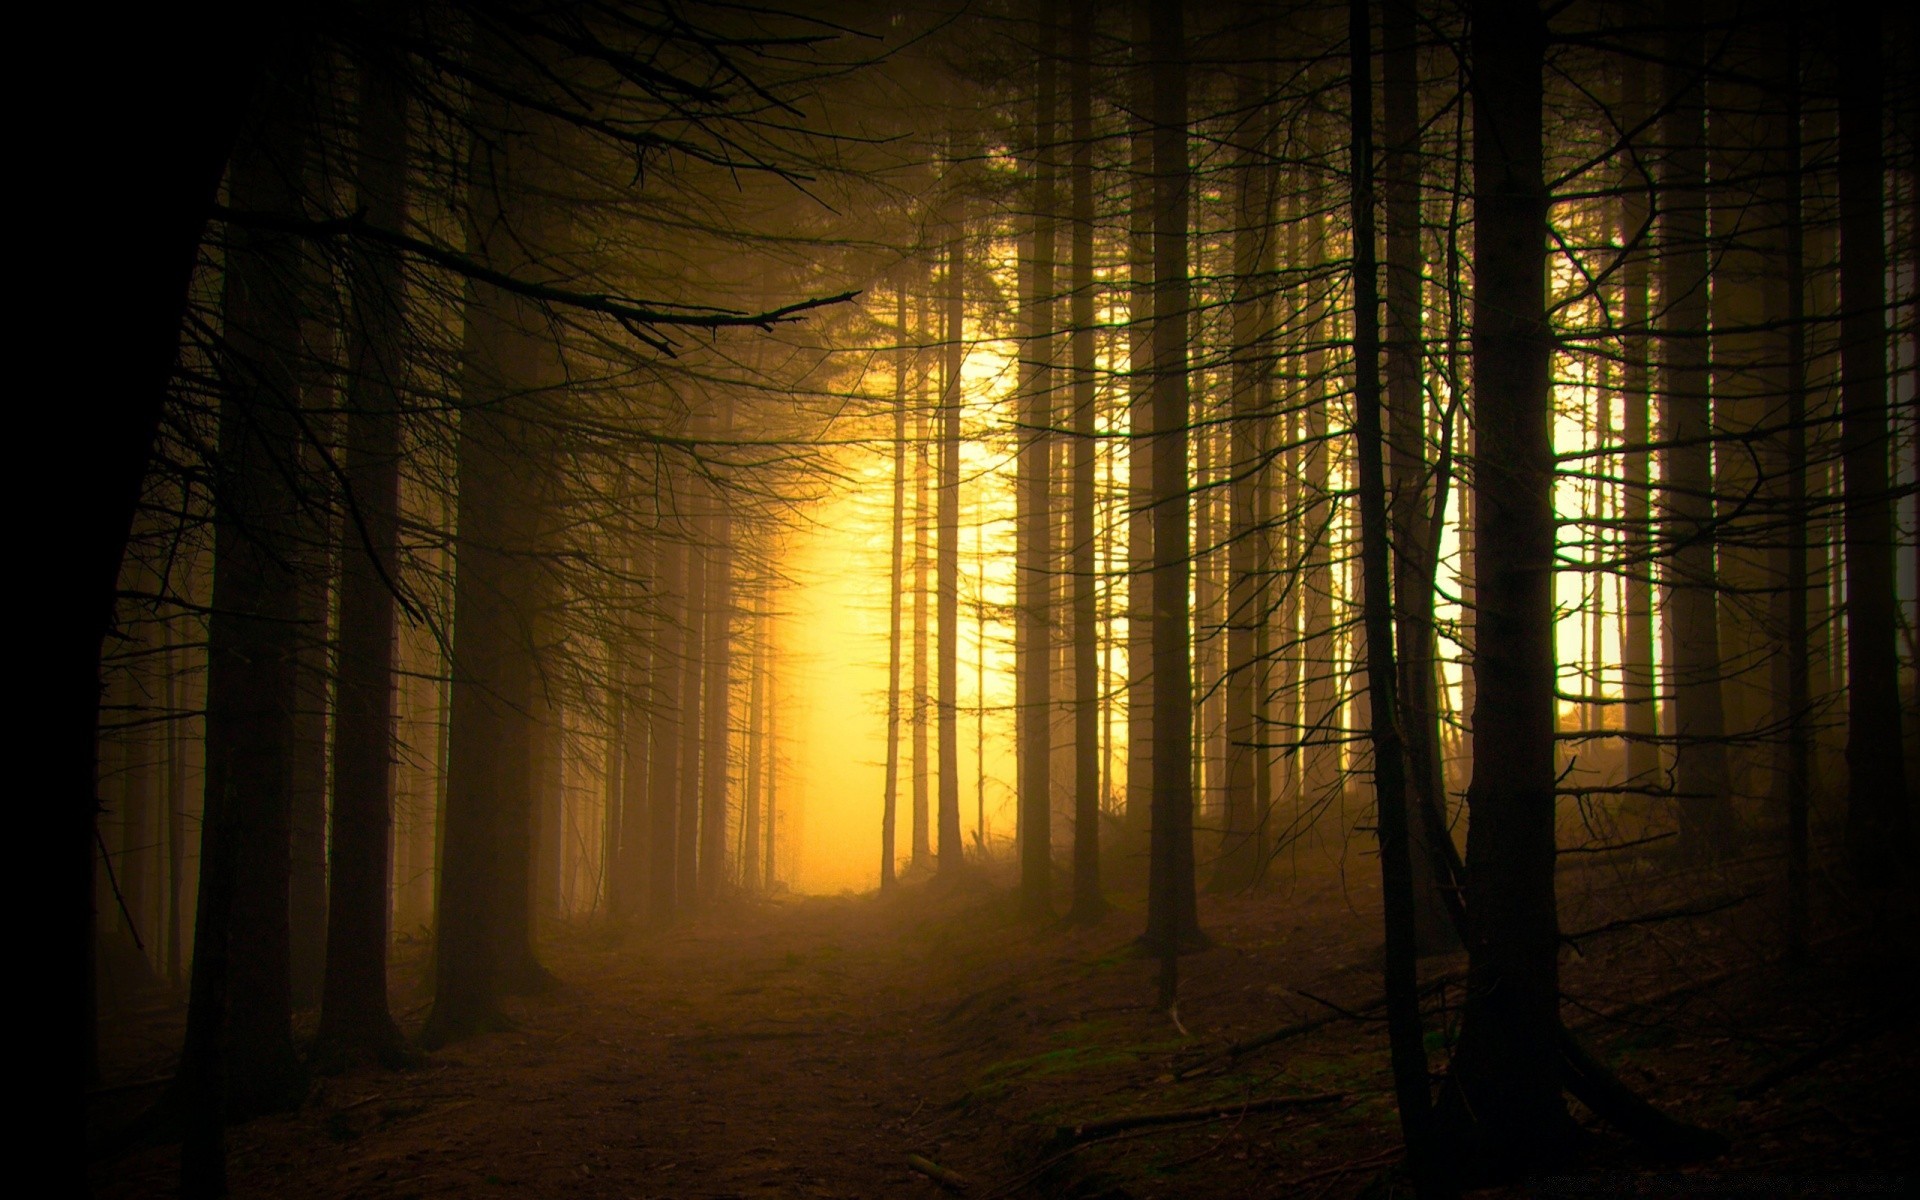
805, 1047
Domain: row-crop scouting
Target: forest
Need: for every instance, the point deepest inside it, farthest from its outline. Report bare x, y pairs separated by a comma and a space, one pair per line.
1083, 598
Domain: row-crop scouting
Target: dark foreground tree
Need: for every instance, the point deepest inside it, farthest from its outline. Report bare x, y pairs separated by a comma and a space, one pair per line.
354, 1017
1502, 1110
238, 1058
1173, 922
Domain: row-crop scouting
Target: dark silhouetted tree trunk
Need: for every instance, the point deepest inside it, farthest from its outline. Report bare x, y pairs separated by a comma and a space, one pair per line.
1700, 767
667, 711
1140, 443
238, 1058
750, 834
354, 1017
1798, 777
1503, 1108
1172, 911
896, 574
1637, 677
1035, 516
185, 79
719, 697
1088, 902
1879, 832
1411, 499
485, 838
951, 852
695, 676
922, 652
1394, 805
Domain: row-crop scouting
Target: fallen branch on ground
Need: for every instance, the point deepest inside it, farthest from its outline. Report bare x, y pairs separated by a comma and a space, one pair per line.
1085, 1130
952, 1181
1281, 1034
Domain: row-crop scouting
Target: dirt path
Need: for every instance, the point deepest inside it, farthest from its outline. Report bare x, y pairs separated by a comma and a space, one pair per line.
803, 1049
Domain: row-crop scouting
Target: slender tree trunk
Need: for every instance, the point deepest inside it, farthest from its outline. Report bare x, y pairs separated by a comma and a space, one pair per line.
922, 651
1034, 578
951, 856
1319, 666
695, 675
1411, 501
1140, 442
750, 836
176, 813
889, 813
667, 711
189, 103
354, 1016
1172, 911
719, 657
1503, 1102
1700, 767
1240, 858
1637, 675
239, 1055
1393, 804
1799, 698
1088, 901
1879, 831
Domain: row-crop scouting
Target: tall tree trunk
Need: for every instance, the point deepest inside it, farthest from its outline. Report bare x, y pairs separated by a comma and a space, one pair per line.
1411, 502
719, 659
1700, 767
1503, 1098
1798, 777
1393, 803
185, 81
922, 651
1319, 665
1879, 832
666, 711
951, 852
483, 928
1637, 677
750, 836
176, 800
1033, 580
239, 1055
354, 1017
1139, 441
1088, 902
890, 807
1172, 911
695, 676
1240, 861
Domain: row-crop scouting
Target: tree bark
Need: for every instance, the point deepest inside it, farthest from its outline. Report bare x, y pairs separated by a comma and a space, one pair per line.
1502, 1112
1637, 675
238, 1058
1388, 715
1879, 831
1034, 577
666, 712
354, 1017
1172, 911
890, 806
1700, 752
1240, 858
1411, 496
951, 855
1140, 441
1088, 901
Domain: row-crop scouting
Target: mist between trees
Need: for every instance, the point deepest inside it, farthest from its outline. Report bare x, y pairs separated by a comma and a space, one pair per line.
583, 467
